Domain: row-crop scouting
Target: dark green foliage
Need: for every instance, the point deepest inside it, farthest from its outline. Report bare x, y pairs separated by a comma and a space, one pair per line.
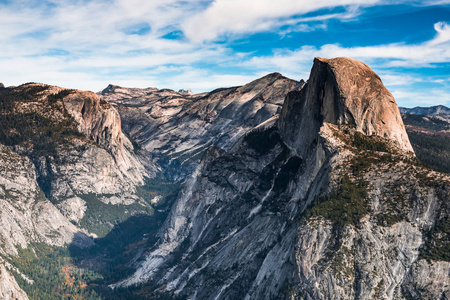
387, 220
159, 185
54, 98
111, 254
344, 206
361, 163
363, 142
35, 130
395, 206
100, 217
437, 245
427, 122
54, 275
432, 149
262, 141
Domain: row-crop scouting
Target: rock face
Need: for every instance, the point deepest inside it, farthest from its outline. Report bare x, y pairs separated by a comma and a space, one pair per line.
91, 156
9, 289
27, 217
177, 127
319, 204
59, 148
341, 91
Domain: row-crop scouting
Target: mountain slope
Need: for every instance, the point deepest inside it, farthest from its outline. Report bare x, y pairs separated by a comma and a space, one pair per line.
177, 127
430, 137
63, 157
432, 110
325, 202
75, 142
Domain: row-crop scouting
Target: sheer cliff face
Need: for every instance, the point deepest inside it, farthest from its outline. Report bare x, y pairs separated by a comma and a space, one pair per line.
58, 144
56, 147
75, 140
176, 126
320, 204
341, 91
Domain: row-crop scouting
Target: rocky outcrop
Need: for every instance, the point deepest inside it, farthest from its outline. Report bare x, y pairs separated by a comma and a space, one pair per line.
320, 204
27, 218
90, 156
26, 215
177, 127
9, 289
341, 91
58, 149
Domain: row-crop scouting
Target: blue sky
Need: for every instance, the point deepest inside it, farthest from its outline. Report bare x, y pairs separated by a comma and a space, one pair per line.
202, 45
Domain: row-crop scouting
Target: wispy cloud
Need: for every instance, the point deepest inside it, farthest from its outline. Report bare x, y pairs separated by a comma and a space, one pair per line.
238, 17
436, 50
381, 58
89, 43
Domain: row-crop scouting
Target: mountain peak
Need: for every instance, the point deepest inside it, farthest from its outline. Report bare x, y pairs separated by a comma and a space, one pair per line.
110, 88
342, 91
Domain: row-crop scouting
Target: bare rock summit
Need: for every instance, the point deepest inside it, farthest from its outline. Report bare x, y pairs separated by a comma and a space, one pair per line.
342, 91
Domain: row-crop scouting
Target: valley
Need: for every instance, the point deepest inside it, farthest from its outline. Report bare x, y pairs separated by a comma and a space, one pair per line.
277, 189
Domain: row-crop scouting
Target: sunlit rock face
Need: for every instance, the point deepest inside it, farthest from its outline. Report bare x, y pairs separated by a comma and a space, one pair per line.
322, 202
57, 146
341, 91
177, 127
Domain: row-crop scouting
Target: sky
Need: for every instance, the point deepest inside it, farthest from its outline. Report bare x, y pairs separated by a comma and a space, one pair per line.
203, 45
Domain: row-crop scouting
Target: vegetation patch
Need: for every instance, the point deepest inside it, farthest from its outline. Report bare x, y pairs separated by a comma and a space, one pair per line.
54, 275
346, 205
437, 245
432, 149
36, 130
100, 217
159, 186
395, 205
364, 142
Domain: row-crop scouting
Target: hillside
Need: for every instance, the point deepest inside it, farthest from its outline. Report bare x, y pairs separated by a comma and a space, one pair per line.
324, 201
177, 127
430, 138
277, 189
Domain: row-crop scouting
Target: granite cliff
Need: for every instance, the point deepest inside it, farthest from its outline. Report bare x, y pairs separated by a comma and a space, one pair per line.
325, 202
61, 152
290, 190
177, 127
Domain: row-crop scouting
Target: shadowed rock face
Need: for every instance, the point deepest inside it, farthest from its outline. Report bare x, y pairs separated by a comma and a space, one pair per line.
296, 211
180, 126
341, 91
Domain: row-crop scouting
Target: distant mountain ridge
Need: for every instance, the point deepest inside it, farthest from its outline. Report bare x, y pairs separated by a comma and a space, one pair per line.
432, 110
277, 189
323, 201
177, 127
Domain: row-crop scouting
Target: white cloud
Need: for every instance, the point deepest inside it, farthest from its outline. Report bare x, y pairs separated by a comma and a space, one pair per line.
443, 33
436, 50
411, 98
96, 47
236, 16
